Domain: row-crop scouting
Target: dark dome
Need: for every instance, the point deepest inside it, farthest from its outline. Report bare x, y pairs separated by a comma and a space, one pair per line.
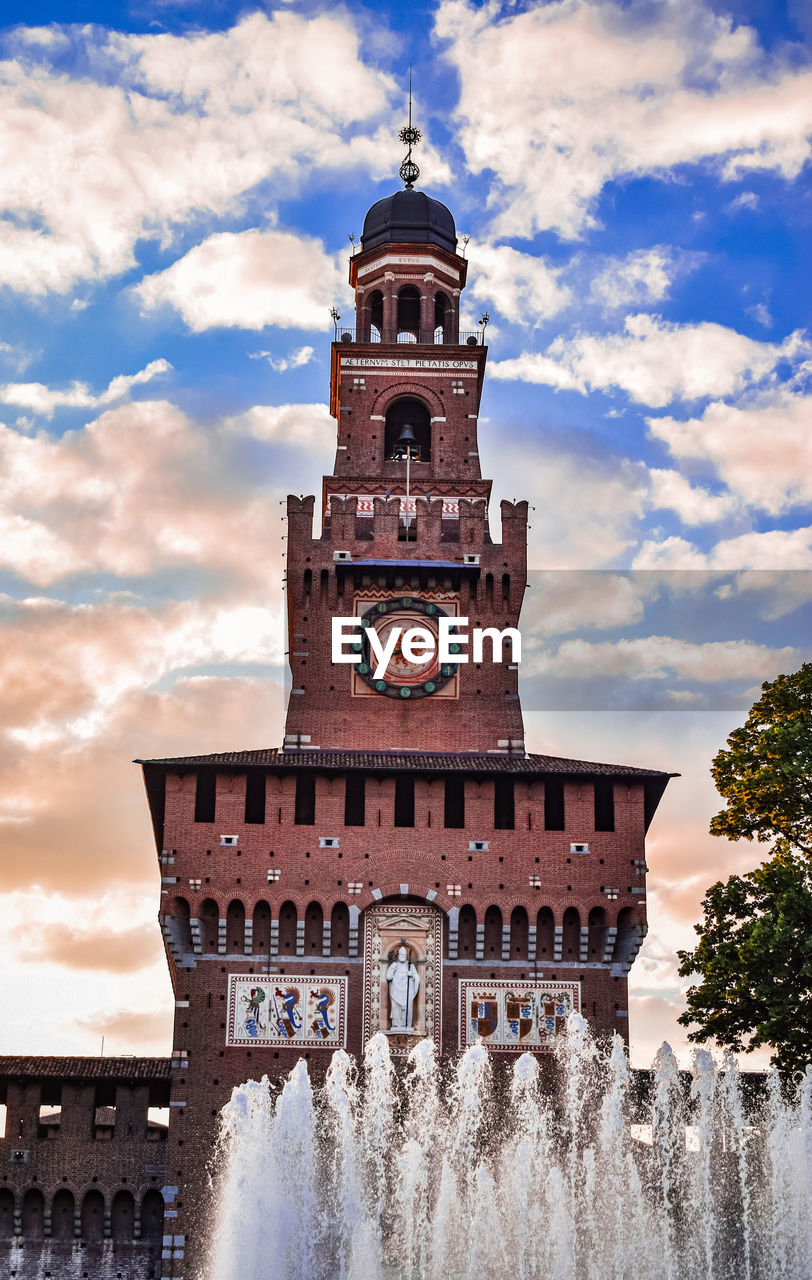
409, 217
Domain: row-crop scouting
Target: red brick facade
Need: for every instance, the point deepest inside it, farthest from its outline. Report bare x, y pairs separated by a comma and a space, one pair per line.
396, 812
284, 868
83, 1168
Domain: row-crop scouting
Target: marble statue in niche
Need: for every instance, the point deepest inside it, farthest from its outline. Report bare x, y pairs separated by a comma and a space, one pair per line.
404, 983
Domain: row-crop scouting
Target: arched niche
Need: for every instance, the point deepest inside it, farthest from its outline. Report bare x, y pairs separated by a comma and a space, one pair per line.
519, 930
493, 933
571, 937
408, 411
545, 933
408, 314
6, 1213
314, 929
340, 929
93, 1216
597, 929
122, 1216
209, 922
63, 1209
288, 919
152, 1215
235, 926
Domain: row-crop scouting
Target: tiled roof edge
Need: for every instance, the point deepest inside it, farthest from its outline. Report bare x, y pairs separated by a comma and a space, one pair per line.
124, 1068
416, 760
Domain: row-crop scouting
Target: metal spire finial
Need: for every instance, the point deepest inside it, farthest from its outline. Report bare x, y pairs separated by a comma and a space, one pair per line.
409, 171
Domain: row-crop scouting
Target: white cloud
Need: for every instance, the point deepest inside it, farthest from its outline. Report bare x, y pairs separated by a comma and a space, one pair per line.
44, 400
654, 361
280, 364
747, 200
163, 129
761, 452
773, 550
523, 288
585, 505
305, 426
693, 504
663, 658
77, 502
561, 601
248, 280
642, 277
531, 367
558, 99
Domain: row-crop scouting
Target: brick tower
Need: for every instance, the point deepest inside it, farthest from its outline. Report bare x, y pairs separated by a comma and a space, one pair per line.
401, 864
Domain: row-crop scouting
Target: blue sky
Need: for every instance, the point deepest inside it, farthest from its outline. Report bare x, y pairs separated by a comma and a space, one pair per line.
177, 186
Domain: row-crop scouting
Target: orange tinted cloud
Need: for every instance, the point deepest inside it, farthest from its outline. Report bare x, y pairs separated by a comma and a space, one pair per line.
128, 1031
127, 950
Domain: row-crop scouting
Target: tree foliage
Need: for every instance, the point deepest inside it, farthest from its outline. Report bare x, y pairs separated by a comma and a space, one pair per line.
765, 775
754, 954
755, 958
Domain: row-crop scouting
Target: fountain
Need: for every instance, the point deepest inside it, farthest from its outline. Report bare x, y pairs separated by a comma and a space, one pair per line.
438, 1176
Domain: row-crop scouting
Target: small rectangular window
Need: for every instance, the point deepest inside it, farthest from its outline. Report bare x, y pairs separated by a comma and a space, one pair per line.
554, 804
305, 810
205, 795
454, 815
503, 804
404, 800
604, 804
50, 1114
255, 796
355, 789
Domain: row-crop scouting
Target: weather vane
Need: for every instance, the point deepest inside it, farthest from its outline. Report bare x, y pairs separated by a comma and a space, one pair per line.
409, 171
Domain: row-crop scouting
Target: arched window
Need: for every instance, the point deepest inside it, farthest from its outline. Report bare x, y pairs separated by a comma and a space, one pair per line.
376, 316
33, 1214
571, 937
62, 1213
340, 929
262, 928
518, 933
408, 412
6, 1213
597, 929
152, 1215
235, 931
93, 1216
409, 314
314, 928
545, 933
442, 315
466, 932
493, 933
287, 929
122, 1215
628, 936
209, 920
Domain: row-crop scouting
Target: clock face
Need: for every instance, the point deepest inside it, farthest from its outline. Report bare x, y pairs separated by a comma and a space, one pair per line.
403, 679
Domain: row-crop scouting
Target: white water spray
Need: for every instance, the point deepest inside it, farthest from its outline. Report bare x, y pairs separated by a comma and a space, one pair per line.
424, 1177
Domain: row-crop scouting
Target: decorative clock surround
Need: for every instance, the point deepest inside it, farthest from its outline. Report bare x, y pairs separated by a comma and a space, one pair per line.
404, 679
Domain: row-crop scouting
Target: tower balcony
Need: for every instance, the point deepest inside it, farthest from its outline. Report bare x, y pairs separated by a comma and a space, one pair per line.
417, 337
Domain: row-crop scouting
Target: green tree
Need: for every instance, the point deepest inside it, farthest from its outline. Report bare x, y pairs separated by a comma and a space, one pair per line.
754, 954
755, 958
765, 775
